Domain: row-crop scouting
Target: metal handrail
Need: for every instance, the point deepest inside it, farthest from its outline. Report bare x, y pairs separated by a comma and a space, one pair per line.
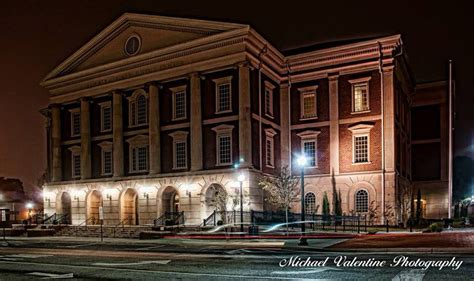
82, 223
122, 223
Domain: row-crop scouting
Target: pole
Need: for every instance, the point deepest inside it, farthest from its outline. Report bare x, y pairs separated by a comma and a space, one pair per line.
450, 153
101, 231
302, 241
241, 209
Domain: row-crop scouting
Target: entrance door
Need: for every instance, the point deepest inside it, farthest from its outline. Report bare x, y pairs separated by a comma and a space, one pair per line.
94, 201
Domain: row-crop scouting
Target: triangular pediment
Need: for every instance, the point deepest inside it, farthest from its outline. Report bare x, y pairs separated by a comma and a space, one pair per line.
154, 33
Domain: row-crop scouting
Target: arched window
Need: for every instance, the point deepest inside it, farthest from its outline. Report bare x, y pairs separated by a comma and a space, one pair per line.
141, 110
310, 203
362, 201
138, 108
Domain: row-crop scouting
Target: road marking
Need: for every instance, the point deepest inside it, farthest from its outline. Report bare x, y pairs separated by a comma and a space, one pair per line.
410, 275
80, 245
131, 263
52, 275
316, 270
150, 248
238, 251
26, 256
240, 277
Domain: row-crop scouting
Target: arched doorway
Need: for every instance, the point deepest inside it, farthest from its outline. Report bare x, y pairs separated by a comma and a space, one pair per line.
66, 208
129, 210
215, 199
94, 201
170, 200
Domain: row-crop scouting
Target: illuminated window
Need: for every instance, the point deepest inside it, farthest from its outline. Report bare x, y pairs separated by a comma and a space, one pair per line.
362, 201
223, 144
107, 165
180, 146
75, 161
106, 117
179, 102
361, 143
138, 160
269, 87
309, 147
270, 148
310, 203
308, 102
360, 94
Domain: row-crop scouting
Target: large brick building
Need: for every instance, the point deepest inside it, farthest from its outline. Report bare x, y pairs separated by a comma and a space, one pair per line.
152, 114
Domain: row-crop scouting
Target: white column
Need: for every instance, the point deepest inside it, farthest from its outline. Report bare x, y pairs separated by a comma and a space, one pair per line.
389, 120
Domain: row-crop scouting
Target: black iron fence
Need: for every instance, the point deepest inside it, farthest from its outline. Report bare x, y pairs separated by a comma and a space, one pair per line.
170, 218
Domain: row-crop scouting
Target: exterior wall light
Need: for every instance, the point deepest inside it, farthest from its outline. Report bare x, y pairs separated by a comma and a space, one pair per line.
146, 195
76, 198
188, 193
108, 196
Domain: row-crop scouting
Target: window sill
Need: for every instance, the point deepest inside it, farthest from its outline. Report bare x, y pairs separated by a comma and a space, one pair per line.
222, 112
308, 118
270, 166
223, 164
361, 112
362, 163
138, 172
137, 125
106, 131
75, 136
180, 168
179, 119
269, 116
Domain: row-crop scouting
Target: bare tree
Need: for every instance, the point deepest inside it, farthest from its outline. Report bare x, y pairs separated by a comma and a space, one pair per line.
405, 197
283, 190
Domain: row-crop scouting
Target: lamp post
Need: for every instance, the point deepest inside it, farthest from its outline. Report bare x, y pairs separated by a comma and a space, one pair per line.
302, 164
241, 179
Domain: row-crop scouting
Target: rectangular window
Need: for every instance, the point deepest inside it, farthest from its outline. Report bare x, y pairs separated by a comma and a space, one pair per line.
107, 162
308, 105
180, 154
106, 124
139, 159
179, 111
269, 102
360, 94
76, 165
223, 98
309, 150
269, 152
133, 113
224, 149
361, 149
75, 123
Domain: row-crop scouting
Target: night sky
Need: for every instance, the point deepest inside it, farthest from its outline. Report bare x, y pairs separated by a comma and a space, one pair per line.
38, 35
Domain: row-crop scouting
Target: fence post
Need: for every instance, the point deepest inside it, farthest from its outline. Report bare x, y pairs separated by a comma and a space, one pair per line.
343, 225
251, 216
386, 224
214, 216
365, 217
358, 224
335, 223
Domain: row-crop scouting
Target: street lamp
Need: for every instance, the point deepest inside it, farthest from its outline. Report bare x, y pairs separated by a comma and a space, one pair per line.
301, 161
241, 179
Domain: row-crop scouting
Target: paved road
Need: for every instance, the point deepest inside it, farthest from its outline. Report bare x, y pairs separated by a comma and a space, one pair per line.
190, 260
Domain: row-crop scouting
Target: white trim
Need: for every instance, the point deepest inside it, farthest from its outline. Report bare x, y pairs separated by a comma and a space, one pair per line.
132, 102
310, 136
72, 113
138, 141
360, 82
106, 146
223, 131
354, 150
180, 137
269, 87
269, 137
304, 92
174, 92
134, 35
102, 106
75, 151
218, 82
355, 200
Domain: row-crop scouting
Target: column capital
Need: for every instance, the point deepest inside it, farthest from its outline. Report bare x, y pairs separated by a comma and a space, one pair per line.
333, 76
153, 83
388, 68
243, 64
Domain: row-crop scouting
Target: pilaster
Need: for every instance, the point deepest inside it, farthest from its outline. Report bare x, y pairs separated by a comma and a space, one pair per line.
334, 124
196, 123
389, 121
56, 171
285, 125
85, 139
117, 134
245, 133
154, 129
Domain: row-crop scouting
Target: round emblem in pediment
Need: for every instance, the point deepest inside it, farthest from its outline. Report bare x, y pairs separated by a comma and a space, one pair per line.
132, 45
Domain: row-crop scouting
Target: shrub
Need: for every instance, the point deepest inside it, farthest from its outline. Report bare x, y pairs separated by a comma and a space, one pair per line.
220, 222
168, 222
436, 227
